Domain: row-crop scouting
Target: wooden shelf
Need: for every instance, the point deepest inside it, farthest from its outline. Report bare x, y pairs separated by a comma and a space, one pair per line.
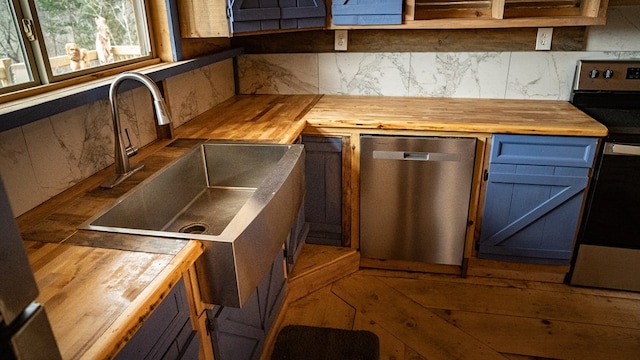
424, 14
465, 14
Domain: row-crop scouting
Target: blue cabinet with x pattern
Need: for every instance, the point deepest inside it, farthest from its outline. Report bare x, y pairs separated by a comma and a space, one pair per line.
534, 195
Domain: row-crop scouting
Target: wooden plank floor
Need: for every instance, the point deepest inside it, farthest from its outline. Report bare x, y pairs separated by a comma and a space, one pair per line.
427, 316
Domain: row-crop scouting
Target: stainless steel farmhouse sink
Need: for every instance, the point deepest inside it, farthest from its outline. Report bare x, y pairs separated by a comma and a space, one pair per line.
240, 199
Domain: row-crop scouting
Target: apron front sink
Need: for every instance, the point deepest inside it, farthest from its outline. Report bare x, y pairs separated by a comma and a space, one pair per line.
239, 199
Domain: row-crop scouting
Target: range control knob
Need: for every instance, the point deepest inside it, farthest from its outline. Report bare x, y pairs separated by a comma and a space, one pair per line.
594, 73
608, 74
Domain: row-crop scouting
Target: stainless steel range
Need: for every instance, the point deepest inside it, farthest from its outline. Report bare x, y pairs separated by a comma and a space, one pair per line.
608, 252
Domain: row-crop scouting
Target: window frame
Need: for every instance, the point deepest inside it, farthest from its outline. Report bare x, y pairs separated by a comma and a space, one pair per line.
30, 62
39, 61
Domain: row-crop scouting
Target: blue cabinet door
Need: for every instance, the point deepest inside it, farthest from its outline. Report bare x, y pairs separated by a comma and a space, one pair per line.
534, 196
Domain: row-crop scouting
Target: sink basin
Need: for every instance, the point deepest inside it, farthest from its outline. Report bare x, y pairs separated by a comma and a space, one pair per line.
239, 199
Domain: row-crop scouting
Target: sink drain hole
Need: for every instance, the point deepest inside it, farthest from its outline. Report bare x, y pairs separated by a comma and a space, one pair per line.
197, 228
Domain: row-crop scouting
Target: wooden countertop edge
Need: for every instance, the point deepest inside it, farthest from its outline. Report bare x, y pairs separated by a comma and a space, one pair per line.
125, 326
598, 131
516, 116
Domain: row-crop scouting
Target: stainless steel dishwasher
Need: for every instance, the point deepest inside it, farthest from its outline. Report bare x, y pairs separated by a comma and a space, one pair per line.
414, 197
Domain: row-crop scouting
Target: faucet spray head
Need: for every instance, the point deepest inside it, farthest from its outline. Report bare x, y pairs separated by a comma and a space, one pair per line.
162, 113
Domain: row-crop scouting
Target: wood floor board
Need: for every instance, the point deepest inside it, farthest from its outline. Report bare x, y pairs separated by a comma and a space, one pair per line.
552, 305
420, 329
321, 308
410, 354
515, 283
587, 291
319, 266
523, 357
390, 346
316, 257
546, 338
421, 316
500, 282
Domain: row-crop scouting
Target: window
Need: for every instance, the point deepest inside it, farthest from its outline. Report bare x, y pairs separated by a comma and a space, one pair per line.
44, 41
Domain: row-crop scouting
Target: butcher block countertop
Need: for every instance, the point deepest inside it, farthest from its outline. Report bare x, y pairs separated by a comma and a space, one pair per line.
542, 117
98, 287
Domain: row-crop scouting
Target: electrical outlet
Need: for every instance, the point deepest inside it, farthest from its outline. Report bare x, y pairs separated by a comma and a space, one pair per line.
543, 40
341, 40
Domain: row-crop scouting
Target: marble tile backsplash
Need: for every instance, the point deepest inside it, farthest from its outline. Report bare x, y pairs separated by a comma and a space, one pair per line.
501, 75
504, 75
43, 158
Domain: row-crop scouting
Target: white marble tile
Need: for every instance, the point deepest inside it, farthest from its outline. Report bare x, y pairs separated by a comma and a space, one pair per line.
84, 137
545, 75
181, 98
278, 74
622, 32
191, 93
385, 74
468, 75
54, 163
68, 147
17, 172
215, 84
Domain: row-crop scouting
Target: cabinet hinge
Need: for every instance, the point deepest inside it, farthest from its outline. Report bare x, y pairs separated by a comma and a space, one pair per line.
486, 175
210, 325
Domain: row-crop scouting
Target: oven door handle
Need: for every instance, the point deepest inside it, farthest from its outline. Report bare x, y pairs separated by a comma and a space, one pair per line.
621, 149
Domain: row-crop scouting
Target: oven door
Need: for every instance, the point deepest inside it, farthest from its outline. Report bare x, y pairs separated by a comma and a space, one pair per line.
608, 255
613, 216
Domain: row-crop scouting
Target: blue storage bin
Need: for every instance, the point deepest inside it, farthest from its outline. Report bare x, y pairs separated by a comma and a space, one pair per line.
302, 14
367, 12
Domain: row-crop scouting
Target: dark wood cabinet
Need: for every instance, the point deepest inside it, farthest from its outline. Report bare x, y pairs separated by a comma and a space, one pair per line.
323, 180
239, 333
534, 196
167, 334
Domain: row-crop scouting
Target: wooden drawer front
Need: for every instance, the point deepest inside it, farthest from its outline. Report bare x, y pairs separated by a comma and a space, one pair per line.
543, 150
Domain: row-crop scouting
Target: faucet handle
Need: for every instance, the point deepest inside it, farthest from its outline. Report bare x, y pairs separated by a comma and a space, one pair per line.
130, 150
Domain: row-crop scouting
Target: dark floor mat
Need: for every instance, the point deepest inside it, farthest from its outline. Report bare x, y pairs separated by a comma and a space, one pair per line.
316, 343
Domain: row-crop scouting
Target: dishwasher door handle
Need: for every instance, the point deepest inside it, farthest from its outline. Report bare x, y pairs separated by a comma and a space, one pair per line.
415, 156
621, 149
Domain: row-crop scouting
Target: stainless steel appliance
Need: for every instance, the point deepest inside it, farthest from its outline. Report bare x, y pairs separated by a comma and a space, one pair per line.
608, 251
414, 197
25, 333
